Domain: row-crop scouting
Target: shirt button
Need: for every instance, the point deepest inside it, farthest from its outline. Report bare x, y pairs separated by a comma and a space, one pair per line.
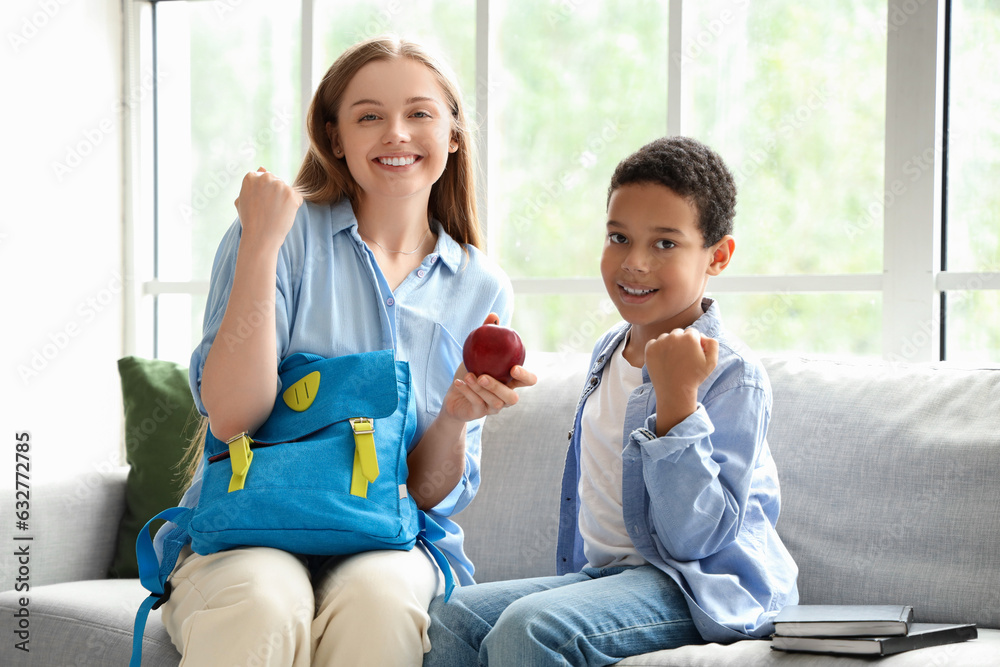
421, 273
390, 301
593, 381
434, 258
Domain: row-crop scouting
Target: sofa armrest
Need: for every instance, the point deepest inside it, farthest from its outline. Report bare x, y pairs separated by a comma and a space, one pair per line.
73, 524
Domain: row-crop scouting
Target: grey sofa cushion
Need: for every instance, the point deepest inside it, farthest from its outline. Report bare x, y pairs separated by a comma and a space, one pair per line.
510, 528
890, 491
78, 515
85, 624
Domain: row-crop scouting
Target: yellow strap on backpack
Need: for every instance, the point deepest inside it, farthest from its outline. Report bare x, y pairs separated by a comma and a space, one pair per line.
240, 456
365, 460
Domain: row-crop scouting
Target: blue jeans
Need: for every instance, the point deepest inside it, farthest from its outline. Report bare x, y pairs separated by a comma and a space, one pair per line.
593, 617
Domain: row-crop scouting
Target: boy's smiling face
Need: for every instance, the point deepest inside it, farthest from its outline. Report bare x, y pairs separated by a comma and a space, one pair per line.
654, 264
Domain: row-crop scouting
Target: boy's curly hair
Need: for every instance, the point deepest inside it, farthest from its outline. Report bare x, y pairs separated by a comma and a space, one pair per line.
692, 170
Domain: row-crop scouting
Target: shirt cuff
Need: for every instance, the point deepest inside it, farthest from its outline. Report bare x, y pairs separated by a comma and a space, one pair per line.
692, 429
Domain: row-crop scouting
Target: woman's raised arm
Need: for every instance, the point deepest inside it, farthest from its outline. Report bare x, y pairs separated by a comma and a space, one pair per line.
240, 377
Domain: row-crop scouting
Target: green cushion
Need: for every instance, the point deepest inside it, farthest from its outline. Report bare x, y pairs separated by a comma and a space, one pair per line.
160, 421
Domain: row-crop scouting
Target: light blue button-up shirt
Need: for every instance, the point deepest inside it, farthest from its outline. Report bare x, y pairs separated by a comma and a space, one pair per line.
700, 503
332, 299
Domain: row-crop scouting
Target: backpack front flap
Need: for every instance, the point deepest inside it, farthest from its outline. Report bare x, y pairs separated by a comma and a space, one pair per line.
326, 473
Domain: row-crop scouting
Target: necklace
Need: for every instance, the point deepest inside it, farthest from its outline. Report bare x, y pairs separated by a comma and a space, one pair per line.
397, 252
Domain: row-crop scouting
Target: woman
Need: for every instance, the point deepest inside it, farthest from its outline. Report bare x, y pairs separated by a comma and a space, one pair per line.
376, 246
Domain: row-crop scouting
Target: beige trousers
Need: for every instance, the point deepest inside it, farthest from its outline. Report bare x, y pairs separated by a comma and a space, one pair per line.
259, 607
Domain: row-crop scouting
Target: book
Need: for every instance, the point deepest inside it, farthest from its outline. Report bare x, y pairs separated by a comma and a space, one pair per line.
921, 635
836, 620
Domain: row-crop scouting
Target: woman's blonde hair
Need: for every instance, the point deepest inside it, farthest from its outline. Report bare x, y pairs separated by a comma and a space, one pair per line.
324, 178
195, 449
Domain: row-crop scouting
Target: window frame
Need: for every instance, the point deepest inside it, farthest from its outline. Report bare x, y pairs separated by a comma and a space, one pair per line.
914, 283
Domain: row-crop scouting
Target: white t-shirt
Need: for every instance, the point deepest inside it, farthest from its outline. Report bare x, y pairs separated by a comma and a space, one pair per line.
605, 541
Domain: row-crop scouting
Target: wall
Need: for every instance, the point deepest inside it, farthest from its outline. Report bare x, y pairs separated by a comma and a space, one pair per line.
60, 236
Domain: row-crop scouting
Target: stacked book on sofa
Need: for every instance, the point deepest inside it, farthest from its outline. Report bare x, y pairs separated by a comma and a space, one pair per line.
860, 630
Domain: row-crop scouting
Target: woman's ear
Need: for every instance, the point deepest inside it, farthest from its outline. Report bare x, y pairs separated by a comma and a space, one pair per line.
331, 133
722, 253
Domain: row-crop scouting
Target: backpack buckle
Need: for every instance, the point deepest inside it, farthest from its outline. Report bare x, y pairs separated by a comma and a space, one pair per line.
162, 597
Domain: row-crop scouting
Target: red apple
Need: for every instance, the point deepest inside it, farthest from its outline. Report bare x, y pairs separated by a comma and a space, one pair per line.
493, 350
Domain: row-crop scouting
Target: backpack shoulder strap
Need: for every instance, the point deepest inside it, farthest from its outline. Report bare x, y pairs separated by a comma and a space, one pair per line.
431, 532
153, 573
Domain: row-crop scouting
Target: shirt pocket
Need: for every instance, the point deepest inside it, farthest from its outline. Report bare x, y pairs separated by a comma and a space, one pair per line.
443, 359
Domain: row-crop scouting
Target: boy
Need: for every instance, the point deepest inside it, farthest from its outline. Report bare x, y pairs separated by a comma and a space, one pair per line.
666, 530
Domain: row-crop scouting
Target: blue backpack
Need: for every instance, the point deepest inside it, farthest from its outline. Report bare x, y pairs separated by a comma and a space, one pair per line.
324, 475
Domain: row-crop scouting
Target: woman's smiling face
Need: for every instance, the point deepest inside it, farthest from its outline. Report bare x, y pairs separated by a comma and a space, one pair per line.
394, 128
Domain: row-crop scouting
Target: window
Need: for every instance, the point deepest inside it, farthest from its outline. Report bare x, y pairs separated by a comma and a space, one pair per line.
972, 256
569, 98
795, 100
227, 98
866, 221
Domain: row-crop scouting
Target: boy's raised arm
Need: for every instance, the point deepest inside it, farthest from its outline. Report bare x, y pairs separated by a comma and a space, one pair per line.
678, 362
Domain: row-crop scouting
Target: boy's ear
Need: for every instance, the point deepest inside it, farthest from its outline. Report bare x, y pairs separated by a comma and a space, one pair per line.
722, 252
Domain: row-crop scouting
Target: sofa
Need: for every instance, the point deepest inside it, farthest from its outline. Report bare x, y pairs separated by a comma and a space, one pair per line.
890, 479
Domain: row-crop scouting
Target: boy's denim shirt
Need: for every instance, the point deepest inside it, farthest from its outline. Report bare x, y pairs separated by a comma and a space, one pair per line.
701, 502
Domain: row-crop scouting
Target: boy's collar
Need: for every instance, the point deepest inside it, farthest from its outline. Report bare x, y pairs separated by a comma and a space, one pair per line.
709, 324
